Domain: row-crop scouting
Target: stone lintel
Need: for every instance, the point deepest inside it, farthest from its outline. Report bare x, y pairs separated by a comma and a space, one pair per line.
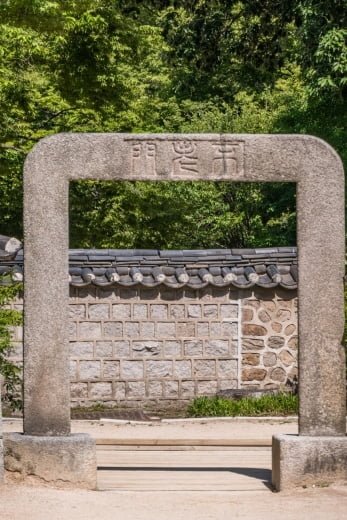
309, 162
299, 460
68, 461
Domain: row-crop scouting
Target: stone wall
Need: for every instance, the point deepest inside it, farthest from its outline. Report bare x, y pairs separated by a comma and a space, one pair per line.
152, 344
131, 345
269, 338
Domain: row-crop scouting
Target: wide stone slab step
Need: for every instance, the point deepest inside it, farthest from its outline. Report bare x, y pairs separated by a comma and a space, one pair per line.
234, 470
115, 442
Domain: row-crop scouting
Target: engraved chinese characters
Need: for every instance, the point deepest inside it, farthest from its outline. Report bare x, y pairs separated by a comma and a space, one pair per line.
186, 159
226, 157
143, 158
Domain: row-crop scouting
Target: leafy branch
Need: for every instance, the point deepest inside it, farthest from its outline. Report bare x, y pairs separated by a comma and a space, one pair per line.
9, 318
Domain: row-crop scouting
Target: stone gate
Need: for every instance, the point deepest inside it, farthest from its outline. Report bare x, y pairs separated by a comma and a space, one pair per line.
320, 449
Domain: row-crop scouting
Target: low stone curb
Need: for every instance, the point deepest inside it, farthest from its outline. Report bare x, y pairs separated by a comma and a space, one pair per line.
292, 418
203, 419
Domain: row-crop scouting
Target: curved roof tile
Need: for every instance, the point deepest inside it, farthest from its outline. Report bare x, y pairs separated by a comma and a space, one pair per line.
241, 268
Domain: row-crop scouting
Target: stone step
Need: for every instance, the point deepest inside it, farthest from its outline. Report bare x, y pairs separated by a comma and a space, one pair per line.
182, 459
232, 470
183, 442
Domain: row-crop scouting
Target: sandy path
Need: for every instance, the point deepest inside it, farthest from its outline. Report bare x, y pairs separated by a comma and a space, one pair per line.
21, 502
25, 503
233, 428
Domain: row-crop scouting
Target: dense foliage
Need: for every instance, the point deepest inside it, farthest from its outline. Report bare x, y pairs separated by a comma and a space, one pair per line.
9, 318
169, 66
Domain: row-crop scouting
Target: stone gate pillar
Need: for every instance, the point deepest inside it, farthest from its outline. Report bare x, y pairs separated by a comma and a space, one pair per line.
319, 451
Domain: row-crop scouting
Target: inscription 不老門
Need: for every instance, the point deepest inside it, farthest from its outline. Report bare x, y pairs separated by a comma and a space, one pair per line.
186, 159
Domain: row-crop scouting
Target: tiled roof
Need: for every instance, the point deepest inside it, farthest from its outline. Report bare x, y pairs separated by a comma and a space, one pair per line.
241, 268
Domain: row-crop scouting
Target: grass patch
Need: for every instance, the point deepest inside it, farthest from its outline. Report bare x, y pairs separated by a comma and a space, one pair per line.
277, 404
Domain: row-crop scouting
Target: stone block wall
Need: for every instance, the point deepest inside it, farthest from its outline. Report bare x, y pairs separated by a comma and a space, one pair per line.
165, 346
152, 344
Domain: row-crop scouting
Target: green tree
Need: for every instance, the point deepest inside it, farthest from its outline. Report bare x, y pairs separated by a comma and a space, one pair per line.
219, 48
322, 30
170, 66
72, 66
9, 318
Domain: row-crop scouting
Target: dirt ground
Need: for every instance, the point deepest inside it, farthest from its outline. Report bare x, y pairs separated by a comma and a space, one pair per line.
18, 501
223, 428
26, 503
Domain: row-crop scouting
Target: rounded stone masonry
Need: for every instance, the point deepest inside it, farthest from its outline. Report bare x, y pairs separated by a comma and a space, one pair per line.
66, 461
299, 460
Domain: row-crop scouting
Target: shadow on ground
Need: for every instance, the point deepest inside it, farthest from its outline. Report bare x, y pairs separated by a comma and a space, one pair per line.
262, 474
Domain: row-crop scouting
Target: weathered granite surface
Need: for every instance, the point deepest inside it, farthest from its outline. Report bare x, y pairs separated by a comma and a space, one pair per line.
305, 460
306, 160
65, 461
